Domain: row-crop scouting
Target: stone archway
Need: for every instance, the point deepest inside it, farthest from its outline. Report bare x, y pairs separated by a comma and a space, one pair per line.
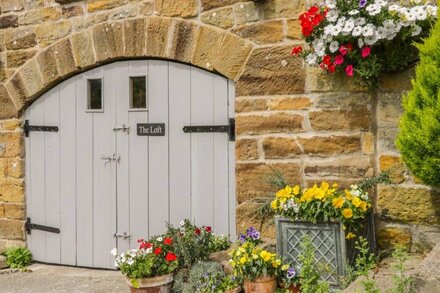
153, 37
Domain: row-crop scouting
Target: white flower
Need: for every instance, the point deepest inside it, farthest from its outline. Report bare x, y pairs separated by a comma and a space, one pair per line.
364, 196
114, 251
373, 9
349, 26
420, 13
359, 21
159, 239
394, 7
320, 52
368, 30
334, 46
130, 262
361, 43
431, 10
311, 59
381, 3
330, 3
381, 33
336, 30
416, 30
332, 15
370, 40
116, 264
389, 26
353, 12
357, 31
182, 223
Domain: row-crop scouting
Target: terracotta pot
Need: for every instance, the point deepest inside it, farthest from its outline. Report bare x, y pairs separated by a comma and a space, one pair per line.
159, 284
261, 285
292, 288
236, 290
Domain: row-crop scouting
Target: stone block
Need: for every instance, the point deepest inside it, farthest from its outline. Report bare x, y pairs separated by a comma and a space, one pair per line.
12, 229
32, 80
81, 23
15, 88
82, 49
368, 144
354, 167
48, 65
108, 41
208, 44
135, 37
7, 21
246, 217
386, 137
17, 58
48, 33
262, 32
250, 105
50, 13
146, 8
10, 5
11, 144
330, 145
426, 277
331, 120
64, 57
6, 243
3, 263
20, 38
124, 12
71, 11
31, 17
183, 41
280, 148
282, 8
95, 5
294, 29
185, 9
275, 123
15, 168
395, 166
409, 205
343, 100
157, 36
223, 17
320, 81
11, 192
398, 81
210, 4
271, 71
388, 238
7, 107
389, 108
14, 211
245, 12
246, 149
12, 124
289, 103
232, 56
3, 167
252, 178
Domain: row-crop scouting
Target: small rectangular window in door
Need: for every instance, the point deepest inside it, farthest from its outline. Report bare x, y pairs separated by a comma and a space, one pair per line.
138, 93
94, 94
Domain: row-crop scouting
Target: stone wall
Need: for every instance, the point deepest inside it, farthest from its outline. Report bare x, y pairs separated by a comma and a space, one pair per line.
289, 118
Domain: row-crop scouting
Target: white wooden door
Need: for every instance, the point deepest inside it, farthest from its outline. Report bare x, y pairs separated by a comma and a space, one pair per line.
103, 185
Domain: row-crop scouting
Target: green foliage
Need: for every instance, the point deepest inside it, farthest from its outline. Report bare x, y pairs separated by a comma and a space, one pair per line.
18, 257
419, 137
309, 272
219, 243
401, 281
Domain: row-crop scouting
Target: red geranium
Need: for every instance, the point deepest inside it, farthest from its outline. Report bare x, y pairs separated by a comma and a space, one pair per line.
296, 50
170, 256
145, 245
197, 231
157, 251
310, 19
168, 241
140, 240
208, 229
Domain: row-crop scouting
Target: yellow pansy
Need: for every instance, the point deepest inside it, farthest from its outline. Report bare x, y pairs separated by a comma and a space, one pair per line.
325, 186
335, 185
243, 260
356, 201
232, 263
295, 190
338, 202
347, 213
285, 193
350, 236
363, 206
285, 267
319, 193
242, 249
266, 256
273, 205
348, 195
276, 263
254, 256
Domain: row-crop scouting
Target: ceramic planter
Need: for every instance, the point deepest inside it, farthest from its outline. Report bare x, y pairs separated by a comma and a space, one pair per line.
261, 285
159, 284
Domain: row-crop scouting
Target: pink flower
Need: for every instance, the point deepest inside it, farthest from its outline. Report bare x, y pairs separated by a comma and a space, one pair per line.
366, 52
349, 70
343, 50
339, 60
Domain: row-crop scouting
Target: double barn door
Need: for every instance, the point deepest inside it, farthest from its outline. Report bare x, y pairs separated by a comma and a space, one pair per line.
102, 183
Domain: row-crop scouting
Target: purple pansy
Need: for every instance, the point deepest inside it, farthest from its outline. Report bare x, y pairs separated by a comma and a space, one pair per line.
291, 273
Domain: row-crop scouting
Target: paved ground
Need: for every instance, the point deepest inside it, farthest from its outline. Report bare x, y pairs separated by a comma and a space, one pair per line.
48, 279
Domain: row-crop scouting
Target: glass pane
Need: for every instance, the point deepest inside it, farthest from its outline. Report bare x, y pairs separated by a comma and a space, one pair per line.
95, 94
138, 93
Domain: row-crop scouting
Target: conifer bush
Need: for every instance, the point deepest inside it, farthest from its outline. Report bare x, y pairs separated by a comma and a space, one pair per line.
419, 137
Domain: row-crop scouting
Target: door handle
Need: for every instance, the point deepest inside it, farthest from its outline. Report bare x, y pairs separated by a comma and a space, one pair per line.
123, 128
124, 236
107, 159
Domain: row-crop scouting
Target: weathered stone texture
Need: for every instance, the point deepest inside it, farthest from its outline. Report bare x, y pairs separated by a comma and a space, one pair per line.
208, 44
223, 17
187, 8
48, 66
249, 105
64, 57
71, 11
262, 32
134, 37
7, 21
17, 58
20, 38
409, 205
280, 147
246, 217
11, 144
394, 166
327, 120
10, 5
270, 71
7, 107
48, 33
11, 192
245, 12
82, 49
330, 145
157, 36
210, 4
355, 167
282, 8
246, 149
32, 80
251, 177
289, 103
183, 41
94, 5
15, 168
273, 123
11, 229
108, 41
389, 237
14, 211
294, 29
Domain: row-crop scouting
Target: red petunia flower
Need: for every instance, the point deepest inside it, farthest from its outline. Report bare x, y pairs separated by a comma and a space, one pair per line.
168, 241
170, 256
208, 229
197, 231
157, 251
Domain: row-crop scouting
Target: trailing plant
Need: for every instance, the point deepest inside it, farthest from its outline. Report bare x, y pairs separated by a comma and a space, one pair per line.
363, 39
189, 281
419, 137
310, 273
219, 243
401, 281
18, 257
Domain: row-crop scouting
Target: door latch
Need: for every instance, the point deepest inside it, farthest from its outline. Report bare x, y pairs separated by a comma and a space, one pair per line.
124, 236
113, 158
123, 128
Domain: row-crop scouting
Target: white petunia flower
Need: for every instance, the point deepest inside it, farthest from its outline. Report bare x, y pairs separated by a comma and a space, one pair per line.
160, 239
336, 30
320, 52
116, 264
359, 21
394, 8
332, 15
370, 40
353, 12
311, 59
130, 262
431, 10
334, 46
182, 223
357, 31
373, 9
349, 26
416, 30
114, 251
420, 13
368, 30
330, 3
361, 43
381, 33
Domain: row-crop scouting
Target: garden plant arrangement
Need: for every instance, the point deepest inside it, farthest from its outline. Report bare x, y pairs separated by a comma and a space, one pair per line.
324, 203
364, 38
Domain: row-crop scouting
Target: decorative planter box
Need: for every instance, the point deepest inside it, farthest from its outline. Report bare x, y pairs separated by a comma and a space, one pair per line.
329, 240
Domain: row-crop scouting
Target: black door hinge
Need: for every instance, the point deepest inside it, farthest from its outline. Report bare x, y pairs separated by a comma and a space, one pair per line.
27, 128
30, 226
230, 129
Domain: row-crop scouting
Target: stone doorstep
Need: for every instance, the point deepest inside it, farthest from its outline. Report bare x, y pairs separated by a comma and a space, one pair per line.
3, 264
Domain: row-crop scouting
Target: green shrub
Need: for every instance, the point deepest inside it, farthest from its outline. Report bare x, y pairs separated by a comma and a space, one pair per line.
419, 137
189, 281
18, 257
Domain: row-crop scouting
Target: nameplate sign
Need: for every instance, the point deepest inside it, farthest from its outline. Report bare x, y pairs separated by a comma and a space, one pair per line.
151, 129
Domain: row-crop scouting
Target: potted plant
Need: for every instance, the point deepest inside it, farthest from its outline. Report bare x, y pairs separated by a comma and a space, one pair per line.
330, 216
257, 267
288, 279
364, 39
150, 267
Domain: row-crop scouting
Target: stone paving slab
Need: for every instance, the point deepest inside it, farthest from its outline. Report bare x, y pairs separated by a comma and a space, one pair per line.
51, 279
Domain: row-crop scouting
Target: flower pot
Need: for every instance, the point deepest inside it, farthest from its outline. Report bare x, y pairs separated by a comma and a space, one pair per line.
292, 288
236, 290
159, 284
261, 285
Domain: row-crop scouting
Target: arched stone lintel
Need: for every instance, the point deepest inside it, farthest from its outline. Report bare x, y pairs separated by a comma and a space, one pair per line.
153, 37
